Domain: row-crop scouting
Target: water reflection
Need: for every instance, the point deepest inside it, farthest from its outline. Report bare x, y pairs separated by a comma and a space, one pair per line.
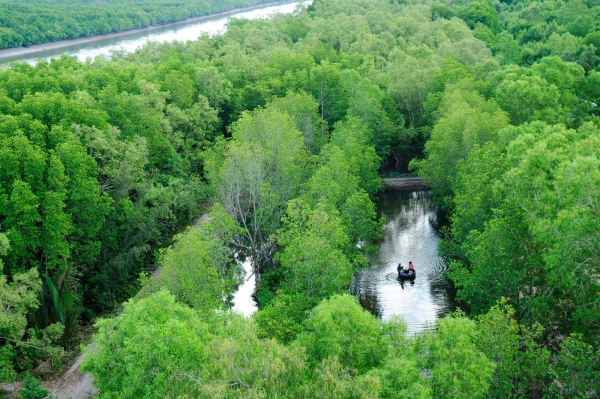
243, 302
409, 235
132, 40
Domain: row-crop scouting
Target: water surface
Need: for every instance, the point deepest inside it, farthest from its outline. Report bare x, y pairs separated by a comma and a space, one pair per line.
409, 235
132, 40
243, 302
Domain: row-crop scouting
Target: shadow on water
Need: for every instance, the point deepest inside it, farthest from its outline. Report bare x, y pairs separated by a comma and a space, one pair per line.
410, 234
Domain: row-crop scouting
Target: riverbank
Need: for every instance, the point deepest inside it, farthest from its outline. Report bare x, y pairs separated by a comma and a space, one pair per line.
404, 184
16, 53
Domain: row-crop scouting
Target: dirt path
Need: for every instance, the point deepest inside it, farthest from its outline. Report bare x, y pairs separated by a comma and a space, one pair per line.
74, 383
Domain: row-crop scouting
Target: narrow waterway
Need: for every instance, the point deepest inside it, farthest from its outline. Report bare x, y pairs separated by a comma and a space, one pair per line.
409, 235
131, 40
243, 302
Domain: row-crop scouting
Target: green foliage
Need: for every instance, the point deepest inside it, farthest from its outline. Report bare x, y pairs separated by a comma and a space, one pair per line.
575, 373
18, 298
165, 338
283, 316
520, 362
312, 257
338, 327
303, 108
199, 269
288, 123
484, 13
33, 390
64, 309
466, 120
262, 170
456, 367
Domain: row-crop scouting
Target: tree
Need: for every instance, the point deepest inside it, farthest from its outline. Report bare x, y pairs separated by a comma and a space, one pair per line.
303, 108
576, 370
262, 170
339, 328
520, 362
312, 256
17, 299
356, 140
412, 73
452, 362
155, 347
199, 269
529, 98
467, 119
482, 12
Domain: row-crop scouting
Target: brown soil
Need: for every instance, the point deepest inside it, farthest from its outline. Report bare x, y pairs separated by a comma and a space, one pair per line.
404, 184
73, 384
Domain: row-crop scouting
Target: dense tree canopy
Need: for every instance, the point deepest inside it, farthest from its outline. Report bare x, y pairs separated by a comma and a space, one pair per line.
282, 128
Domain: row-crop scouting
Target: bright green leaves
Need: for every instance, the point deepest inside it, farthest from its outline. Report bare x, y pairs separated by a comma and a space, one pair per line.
529, 98
159, 346
262, 170
187, 272
240, 365
314, 266
303, 108
575, 373
165, 338
356, 140
483, 12
55, 222
199, 269
312, 257
453, 363
22, 223
520, 362
545, 92
474, 188
466, 120
18, 298
525, 226
339, 328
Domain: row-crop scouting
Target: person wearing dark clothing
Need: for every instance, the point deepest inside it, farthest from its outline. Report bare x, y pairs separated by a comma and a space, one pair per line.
400, 269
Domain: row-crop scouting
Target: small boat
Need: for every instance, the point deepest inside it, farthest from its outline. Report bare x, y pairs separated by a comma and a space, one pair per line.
406, 276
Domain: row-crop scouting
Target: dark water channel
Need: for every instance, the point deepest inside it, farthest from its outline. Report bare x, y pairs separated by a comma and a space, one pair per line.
409, 235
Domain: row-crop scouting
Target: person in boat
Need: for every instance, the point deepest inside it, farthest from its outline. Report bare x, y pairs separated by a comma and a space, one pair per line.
411, 269
400, 269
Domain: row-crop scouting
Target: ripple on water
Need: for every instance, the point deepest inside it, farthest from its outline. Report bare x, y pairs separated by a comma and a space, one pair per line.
408, 236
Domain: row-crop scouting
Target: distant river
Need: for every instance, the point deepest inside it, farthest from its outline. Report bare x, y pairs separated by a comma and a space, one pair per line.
131, 40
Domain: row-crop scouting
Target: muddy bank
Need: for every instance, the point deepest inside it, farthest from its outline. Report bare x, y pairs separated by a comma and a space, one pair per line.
404, 184
17, 53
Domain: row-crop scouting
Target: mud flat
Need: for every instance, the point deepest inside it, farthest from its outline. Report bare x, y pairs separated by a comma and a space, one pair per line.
404, 184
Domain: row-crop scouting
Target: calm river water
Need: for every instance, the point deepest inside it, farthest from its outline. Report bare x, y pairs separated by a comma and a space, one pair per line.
408, 235
186, 30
